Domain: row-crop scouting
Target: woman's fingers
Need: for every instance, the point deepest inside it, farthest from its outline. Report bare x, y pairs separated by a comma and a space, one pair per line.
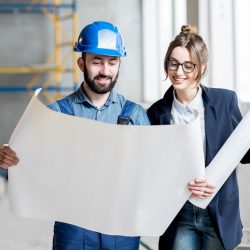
201, 188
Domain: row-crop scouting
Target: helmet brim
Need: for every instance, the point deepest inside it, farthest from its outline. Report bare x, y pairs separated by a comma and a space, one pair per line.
99, 51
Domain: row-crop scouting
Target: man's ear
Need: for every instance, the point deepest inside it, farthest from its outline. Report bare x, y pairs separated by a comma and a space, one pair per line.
80, 63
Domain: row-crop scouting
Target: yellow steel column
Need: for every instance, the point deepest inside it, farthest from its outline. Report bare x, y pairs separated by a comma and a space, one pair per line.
75, 36
58, 41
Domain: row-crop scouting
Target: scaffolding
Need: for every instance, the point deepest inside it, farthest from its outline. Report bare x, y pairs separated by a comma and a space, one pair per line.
54, 66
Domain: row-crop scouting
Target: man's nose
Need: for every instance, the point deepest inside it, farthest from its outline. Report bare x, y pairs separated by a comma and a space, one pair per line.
104, 69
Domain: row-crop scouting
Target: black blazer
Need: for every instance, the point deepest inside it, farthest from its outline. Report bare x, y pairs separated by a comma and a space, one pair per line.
222, 115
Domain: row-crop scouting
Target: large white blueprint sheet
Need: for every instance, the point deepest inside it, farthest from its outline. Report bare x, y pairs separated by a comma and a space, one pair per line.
125, 180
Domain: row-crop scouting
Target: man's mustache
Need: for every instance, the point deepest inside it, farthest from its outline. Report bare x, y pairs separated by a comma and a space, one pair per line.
102, 76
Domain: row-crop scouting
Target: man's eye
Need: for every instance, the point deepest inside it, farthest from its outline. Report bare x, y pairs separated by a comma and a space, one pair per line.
113, 62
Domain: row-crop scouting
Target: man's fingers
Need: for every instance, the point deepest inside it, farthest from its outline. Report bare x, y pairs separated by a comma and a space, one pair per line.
6, 163
8, 151
8, 157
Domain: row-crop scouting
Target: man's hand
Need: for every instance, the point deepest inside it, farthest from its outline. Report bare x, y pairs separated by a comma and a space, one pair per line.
201, 188
8, 157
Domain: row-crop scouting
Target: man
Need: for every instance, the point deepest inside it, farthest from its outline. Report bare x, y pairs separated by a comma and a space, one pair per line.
101, 46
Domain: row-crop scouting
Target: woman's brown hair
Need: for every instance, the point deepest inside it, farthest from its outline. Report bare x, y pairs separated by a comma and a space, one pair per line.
193, 42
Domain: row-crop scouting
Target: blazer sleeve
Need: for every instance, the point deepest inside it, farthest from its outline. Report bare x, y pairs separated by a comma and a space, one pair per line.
236, 118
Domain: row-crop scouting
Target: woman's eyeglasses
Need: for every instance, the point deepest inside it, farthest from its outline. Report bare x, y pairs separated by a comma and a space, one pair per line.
187, 67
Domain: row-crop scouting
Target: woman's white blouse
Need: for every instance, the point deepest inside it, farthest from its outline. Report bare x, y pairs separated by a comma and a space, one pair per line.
184, 114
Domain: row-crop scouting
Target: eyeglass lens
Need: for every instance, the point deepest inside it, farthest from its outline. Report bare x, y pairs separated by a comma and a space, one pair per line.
187, 67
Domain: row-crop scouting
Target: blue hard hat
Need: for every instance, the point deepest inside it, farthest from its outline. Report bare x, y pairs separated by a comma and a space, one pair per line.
101, 38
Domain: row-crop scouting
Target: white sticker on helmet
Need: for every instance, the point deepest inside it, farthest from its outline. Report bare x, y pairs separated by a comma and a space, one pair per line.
106, 39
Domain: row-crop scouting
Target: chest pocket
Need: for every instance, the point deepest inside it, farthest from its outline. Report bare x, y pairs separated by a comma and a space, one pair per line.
123, 118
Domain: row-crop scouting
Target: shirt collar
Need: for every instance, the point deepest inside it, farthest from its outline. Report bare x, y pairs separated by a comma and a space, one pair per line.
196, 103
81, 97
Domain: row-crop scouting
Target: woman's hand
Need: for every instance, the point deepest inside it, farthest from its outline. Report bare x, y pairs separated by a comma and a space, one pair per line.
8, 157
201, 188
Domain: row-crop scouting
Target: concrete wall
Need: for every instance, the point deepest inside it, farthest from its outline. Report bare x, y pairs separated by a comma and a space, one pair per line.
24, 41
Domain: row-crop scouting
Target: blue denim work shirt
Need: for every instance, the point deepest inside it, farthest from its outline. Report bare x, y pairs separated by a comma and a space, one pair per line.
67, 236
108, 113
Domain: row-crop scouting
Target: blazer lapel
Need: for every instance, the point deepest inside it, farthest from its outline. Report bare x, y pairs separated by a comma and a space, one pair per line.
164, 117
210, 120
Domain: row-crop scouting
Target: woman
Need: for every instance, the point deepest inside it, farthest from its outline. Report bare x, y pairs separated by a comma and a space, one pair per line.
219, 226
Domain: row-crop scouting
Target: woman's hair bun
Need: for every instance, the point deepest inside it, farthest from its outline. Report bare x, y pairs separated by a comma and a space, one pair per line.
189, 29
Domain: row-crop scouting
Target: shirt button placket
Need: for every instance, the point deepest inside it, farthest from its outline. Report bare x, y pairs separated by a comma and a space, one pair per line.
97, 114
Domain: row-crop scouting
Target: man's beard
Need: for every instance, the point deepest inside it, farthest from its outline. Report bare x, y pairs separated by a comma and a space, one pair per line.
96, 88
